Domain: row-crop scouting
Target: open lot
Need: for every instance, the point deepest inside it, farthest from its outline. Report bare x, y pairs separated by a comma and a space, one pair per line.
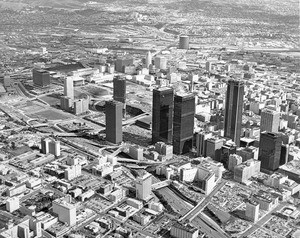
50, 115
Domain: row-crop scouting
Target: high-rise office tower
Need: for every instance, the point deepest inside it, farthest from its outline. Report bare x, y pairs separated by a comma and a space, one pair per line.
233, 110
143, 186
269, 150
214, 148
208, 66
41, 77
122, 62
45, 145
66, 103
148, 59
65, 210
227, 150
119, 89
23, 231
160, 63
284, 154
81, 106
183, 123
201, 138
269, 120
113, 117
252, 210
54, 147
162, 114
69, 87
184, 42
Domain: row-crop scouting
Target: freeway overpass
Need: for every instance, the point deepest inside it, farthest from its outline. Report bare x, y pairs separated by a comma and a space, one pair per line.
206, 224
200, 206
159, 185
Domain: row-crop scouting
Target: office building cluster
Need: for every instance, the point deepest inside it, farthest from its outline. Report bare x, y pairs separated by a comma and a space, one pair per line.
173, 119
158, 135
70, 103
50, 146
205, 175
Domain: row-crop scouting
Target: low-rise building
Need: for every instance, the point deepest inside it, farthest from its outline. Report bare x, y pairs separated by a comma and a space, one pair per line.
266, 200
244, 171
179, 230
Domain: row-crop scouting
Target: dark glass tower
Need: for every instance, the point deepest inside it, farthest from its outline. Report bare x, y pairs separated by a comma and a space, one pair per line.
41, 77
162, 115
113, 117
183, 123
233, 110
119, 89
270, 150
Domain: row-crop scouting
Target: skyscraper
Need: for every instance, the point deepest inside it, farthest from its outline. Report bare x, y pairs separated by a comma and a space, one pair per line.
233, 110
183, 123
208, 66
201, 138
119, 89
269, 150
54, 147
160, 63
227, 149
113, 117
65, 210
143, 186
252, 210
41, 77
45, 145
148, 59
162, 114
269, 120
184, 42
214, 148
69, 87
122, 62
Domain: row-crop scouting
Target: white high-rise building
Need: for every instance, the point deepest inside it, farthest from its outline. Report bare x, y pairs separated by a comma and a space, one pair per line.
12, 204
69, 87
65, 210
143, 186
269, 120
148, 59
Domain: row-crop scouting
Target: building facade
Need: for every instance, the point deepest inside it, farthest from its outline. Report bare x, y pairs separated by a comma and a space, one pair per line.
69, 87
162, 115
183, 123
143, 186
113, 117
269, 120
119, 91
270, 150
41, 77
184, 42
233, 110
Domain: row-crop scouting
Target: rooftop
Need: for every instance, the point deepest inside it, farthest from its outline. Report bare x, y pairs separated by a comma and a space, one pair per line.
185, 227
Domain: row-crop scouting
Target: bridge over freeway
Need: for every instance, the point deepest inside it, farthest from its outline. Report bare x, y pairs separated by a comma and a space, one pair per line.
162, 184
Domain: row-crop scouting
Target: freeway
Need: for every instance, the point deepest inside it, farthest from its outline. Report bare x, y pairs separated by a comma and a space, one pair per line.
203, 222
178, 204
146, 233
197, 209
132, 120
205, 227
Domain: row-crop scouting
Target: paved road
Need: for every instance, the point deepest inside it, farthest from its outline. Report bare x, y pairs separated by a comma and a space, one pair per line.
198, 208
201, 221
262, 221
